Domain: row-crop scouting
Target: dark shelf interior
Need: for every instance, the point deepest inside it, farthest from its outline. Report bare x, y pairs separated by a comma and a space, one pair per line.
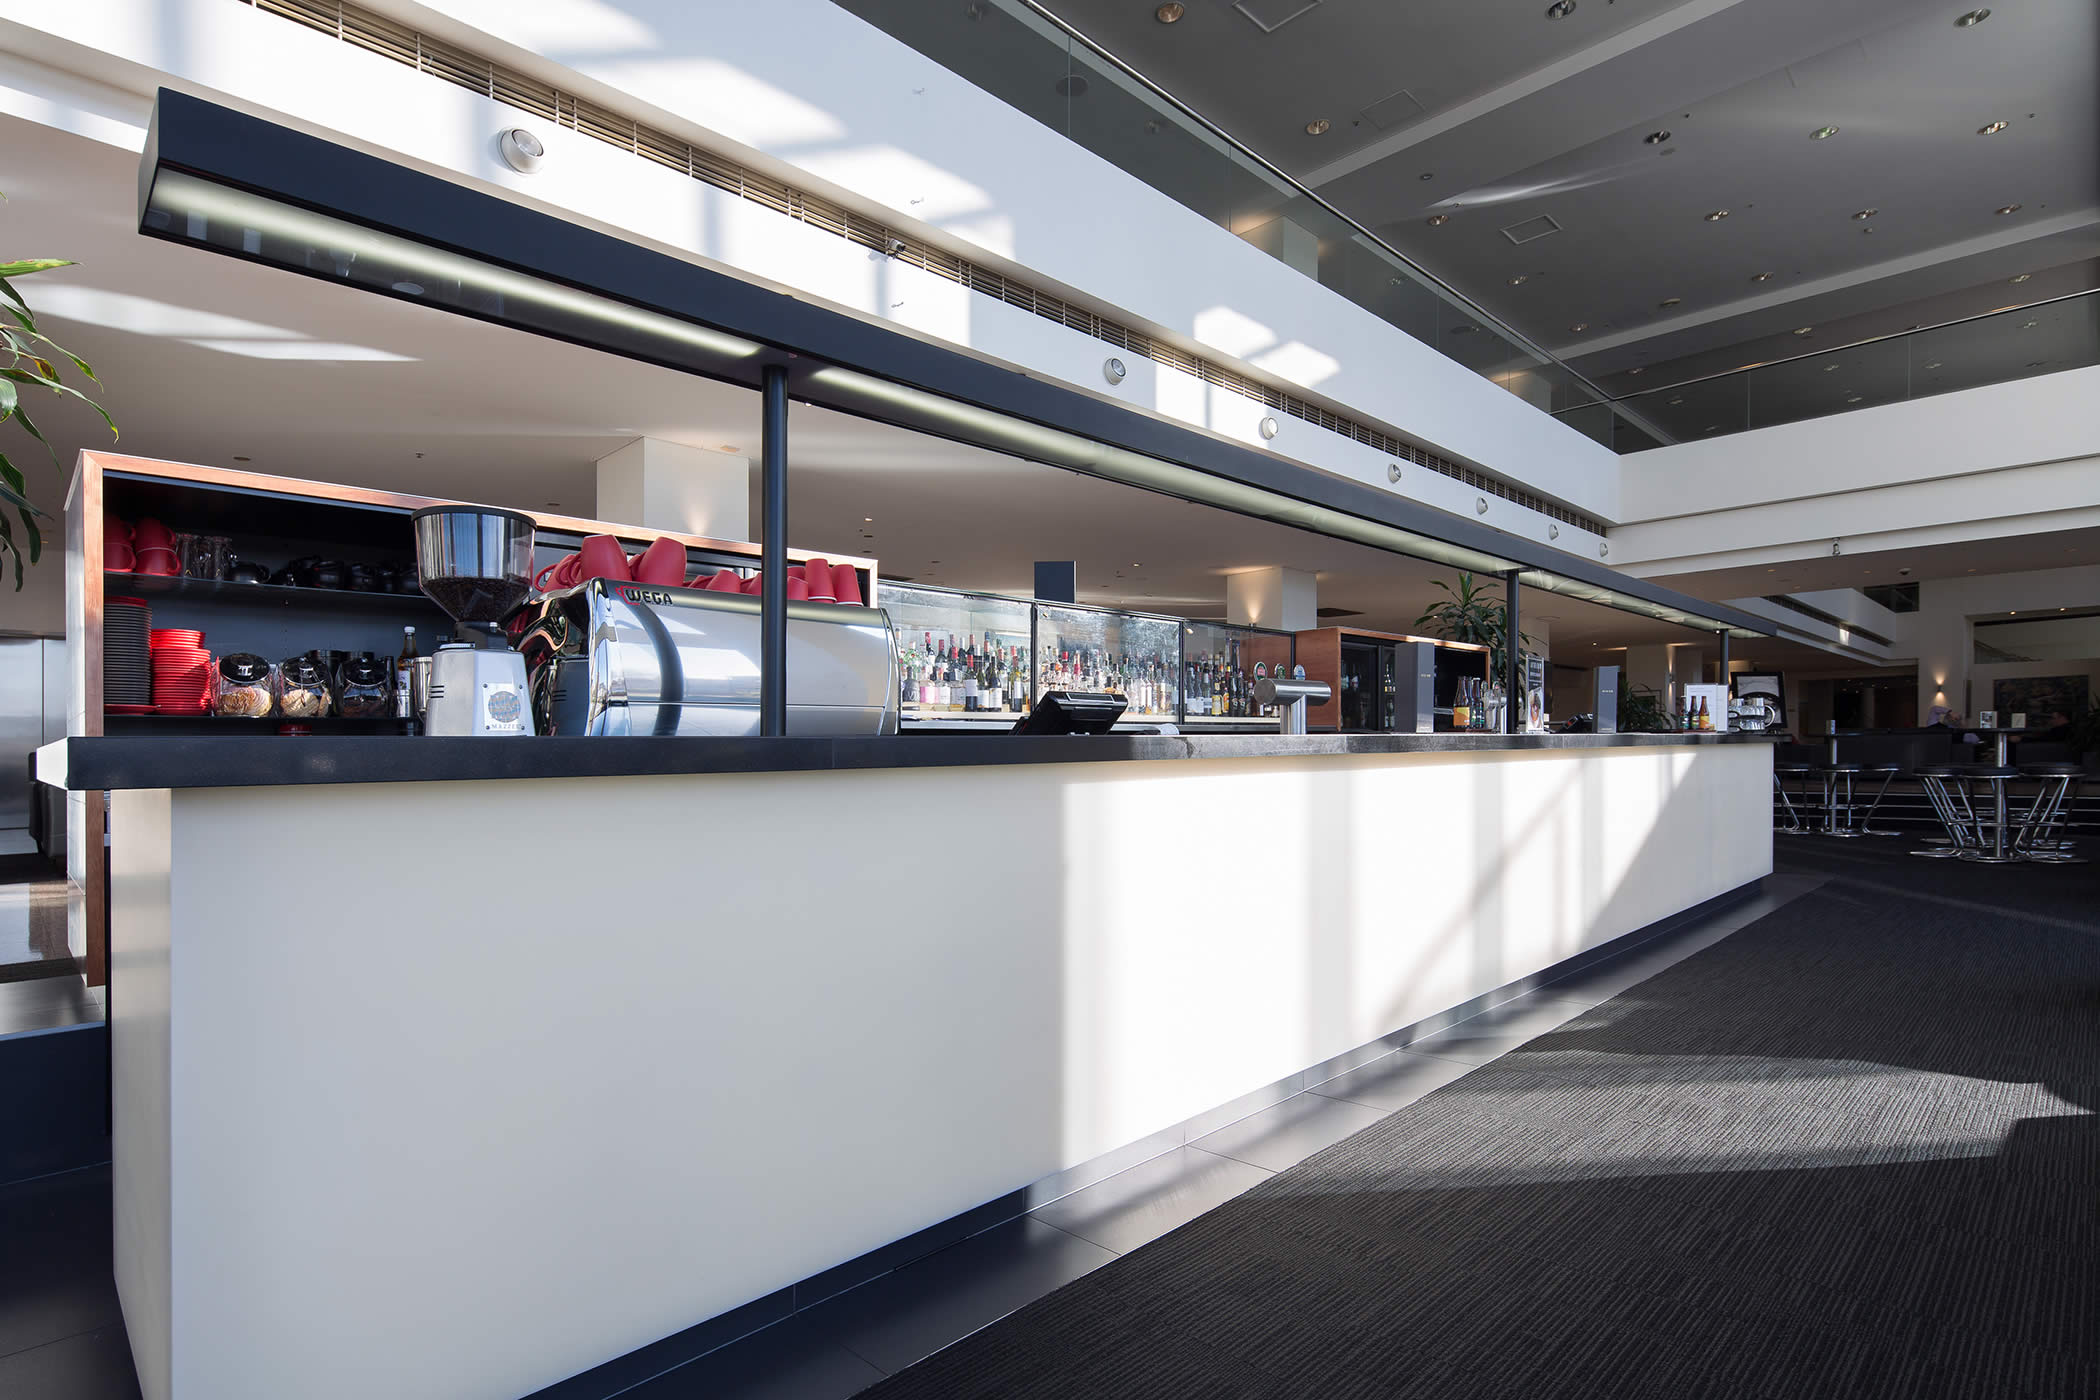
204, 590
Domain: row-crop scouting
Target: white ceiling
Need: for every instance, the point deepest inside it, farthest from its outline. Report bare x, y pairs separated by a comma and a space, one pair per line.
211, 360
1495, 114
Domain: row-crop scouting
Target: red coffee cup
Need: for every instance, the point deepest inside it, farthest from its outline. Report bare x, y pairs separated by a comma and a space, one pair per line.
602, 557
662, 563
845, 585
149, 533
797, 591
817, 574
753, 585
726, 581
114, 530
545, 581
117, 558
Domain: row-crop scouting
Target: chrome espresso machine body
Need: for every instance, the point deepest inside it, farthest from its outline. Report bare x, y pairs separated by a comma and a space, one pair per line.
614, 658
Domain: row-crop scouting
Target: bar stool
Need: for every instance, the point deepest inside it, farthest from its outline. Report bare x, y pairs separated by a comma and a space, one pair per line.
1950, 803
1837, 814
1780, 773
1996, 817
2057, 782
1887, 772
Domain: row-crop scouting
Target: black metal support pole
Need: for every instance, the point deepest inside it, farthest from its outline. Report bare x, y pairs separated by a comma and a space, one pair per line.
772, 597
1723, 677
1513, 658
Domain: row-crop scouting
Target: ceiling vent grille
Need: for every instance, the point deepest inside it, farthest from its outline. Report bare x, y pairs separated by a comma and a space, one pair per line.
1398, 110
1529, 229
440, 60
1272, 15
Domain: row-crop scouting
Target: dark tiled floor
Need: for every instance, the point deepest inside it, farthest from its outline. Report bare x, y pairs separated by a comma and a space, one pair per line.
60, 1338
32, 916
61, 1334
47, 1003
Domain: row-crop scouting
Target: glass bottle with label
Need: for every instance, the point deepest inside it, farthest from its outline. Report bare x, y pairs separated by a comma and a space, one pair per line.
404, 668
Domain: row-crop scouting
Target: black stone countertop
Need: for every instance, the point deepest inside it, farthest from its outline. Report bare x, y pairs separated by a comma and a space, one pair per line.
201, 761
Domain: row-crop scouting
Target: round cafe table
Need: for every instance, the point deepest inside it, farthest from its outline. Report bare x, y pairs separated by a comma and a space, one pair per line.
2000, 734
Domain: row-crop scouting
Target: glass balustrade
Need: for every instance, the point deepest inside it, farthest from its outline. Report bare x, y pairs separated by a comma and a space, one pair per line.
2015, 343
1022, 56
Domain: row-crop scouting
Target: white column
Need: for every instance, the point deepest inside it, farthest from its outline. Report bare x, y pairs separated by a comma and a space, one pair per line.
1647, 668
669, 486
1289, 243
1286, 599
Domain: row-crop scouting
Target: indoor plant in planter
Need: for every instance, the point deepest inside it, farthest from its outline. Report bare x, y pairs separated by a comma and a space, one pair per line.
30, 361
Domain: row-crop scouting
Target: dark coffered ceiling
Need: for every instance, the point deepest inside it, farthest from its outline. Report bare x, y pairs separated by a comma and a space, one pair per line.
1498, 114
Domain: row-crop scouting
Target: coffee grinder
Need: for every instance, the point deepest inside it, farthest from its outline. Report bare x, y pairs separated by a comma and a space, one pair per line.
476, 564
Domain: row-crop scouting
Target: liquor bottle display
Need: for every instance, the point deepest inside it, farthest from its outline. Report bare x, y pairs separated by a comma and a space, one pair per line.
1134, 656
1220, 684
978, 658
946, 674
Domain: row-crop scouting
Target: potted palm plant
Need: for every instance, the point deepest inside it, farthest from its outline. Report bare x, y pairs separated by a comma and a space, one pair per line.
1468, 614
29, 361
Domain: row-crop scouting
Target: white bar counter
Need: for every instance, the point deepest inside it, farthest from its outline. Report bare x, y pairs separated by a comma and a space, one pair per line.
450, 1089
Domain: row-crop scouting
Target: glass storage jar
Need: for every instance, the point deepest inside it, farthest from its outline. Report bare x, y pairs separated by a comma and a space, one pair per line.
243, 687
365, 688
303, 691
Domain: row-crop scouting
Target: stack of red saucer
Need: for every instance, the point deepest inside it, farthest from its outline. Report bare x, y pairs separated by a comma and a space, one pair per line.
181, 671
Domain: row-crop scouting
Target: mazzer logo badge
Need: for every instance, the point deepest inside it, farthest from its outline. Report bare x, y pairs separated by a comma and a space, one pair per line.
503, 708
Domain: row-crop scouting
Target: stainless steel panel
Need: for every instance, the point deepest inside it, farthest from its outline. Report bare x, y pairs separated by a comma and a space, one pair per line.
1607, 704
56, 681
21, 724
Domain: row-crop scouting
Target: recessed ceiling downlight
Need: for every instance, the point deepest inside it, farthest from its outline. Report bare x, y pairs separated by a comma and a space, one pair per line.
1561, 9
2009, 209
1579, 327
1804, 330
1971, 19
1439, 220
1866, 213
1317, 126
1656, 138
2022, 278
1762, 276
1668, 302
1993, 129
1519, 280
1717, 216
1822, 133
1170, 12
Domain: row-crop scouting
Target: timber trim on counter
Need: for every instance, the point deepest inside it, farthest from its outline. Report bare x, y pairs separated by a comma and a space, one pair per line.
267, 761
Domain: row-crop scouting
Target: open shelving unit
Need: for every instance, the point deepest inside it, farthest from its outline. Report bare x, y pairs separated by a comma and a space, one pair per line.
271, 520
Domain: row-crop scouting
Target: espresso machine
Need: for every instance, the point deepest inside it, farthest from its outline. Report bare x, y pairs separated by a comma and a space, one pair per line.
609, 657
476, 563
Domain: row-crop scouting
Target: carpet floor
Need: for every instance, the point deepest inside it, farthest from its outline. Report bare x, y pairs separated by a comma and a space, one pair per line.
1850, 1150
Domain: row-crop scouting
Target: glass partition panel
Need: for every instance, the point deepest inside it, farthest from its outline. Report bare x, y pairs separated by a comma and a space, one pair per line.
1219, 666
1857, 376
1136, 655
1021, 55
961, 657
2015, 344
